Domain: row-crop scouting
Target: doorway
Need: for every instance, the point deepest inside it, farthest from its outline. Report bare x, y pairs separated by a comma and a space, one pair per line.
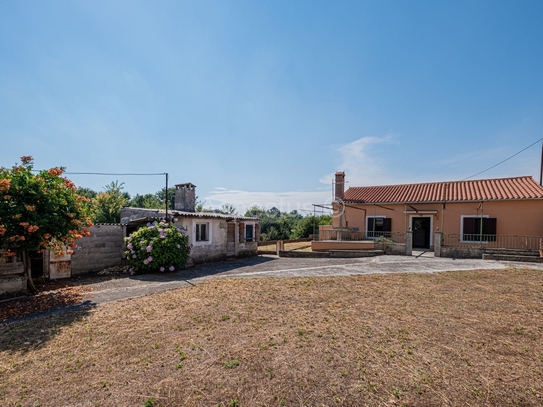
422, 228
230, 239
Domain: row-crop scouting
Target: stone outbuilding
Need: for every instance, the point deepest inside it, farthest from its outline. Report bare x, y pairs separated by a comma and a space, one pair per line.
214, 236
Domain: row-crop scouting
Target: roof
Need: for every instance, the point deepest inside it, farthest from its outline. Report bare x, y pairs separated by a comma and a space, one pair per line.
128, 214
456, 191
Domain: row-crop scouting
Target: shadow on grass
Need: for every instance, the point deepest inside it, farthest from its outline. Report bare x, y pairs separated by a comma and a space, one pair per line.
35, 330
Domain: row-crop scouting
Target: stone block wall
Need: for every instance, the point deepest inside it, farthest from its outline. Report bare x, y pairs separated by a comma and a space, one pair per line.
12, 280
461, 252
102, 249
392, 248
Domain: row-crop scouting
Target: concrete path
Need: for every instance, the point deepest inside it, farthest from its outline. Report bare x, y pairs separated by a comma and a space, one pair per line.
272, 266
123, 286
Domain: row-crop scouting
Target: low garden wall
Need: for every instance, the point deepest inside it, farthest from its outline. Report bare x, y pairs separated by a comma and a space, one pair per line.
102, 249
12, 280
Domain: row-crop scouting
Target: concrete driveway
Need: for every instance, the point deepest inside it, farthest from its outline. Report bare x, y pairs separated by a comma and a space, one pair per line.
272, 266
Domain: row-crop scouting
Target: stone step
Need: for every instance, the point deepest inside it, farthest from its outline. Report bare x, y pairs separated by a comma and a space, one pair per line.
512, 257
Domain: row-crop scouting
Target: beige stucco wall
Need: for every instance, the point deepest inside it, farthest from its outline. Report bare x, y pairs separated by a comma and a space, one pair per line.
523, 218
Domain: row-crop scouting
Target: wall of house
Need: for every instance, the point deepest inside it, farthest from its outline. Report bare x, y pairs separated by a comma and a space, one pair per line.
205, 251
12, 280
523, 218
102, 249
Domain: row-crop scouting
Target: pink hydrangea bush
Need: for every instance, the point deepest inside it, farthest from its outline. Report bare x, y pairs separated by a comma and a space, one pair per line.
159, 246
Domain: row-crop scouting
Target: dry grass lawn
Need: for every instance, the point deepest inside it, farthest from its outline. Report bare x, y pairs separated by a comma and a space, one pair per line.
458, 339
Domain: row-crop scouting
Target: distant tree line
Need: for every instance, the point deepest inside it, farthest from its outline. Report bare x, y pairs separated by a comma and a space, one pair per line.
274, 224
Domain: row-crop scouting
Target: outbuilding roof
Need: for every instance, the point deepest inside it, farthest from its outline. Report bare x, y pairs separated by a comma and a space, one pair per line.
456, 191
129, 214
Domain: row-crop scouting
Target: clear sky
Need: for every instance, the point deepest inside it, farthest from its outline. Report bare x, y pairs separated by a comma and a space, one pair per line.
260, 102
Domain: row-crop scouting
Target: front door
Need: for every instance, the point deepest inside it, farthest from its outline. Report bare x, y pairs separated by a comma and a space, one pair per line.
230, 239
421, 232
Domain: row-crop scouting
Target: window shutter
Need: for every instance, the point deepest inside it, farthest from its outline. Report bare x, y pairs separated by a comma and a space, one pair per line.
470, 226
257, 232
242, 232
489, 226
387, 225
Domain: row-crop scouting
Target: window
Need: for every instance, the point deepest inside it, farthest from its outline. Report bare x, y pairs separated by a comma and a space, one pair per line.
202, 232
378, 226
478, 229
249, 233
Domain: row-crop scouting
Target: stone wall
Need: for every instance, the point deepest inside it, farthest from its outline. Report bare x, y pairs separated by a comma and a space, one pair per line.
461, 252
12, 280
392, 248
102, 249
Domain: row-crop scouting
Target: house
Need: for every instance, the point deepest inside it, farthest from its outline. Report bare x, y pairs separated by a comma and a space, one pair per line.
501, 212
214, 236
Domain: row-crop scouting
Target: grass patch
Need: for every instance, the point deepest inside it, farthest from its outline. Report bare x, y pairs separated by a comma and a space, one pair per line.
458, 338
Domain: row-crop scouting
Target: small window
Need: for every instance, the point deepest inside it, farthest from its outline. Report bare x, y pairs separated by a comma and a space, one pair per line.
249, 233
477, 229
202, 232
378, 227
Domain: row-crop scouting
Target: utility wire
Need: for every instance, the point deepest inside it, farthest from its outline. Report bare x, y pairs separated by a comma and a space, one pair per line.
111, 173
106, 173
508, 158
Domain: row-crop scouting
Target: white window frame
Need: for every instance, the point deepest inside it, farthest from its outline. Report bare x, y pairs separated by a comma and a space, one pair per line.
431, 225
209, 233
462, 228
254, 232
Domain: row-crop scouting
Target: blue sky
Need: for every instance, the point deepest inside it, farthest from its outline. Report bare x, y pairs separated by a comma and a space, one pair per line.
260, 102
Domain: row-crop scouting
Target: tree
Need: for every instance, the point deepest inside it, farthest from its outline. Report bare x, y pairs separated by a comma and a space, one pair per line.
86, 192
149, 201
107, 205
310, 225
161, 195
39, 211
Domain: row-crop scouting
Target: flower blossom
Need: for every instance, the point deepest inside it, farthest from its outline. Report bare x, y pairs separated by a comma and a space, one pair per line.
149, 248
171, 268
162, 269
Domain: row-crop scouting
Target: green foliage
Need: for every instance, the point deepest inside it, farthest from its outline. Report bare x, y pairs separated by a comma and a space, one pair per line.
149, 201
310, 225
277, 225
107, 205
86, 192
159, 246
226, 209
161, 196
39, 211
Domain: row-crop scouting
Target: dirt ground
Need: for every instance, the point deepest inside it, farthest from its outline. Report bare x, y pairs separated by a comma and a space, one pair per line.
456, 338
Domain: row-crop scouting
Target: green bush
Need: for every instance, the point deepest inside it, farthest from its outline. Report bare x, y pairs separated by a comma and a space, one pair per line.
159, 246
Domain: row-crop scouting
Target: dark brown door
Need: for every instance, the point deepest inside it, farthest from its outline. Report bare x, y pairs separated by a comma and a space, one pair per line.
231, 239
421, 233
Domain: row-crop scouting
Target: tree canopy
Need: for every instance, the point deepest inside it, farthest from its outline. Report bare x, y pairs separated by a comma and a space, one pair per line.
277, 225
39, 211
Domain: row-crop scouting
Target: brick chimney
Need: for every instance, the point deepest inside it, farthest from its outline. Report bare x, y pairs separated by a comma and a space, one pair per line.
340, 185
185, 197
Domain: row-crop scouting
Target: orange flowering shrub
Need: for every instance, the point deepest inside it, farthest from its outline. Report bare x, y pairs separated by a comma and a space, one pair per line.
40, 211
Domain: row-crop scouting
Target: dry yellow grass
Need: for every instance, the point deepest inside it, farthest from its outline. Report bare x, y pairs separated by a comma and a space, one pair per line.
458, 338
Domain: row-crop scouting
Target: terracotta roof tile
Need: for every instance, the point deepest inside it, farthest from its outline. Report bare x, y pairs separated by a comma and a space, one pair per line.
456, 191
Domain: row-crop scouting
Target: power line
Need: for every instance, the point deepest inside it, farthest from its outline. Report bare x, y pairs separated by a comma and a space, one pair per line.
106, 173
507, 159
112, 173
